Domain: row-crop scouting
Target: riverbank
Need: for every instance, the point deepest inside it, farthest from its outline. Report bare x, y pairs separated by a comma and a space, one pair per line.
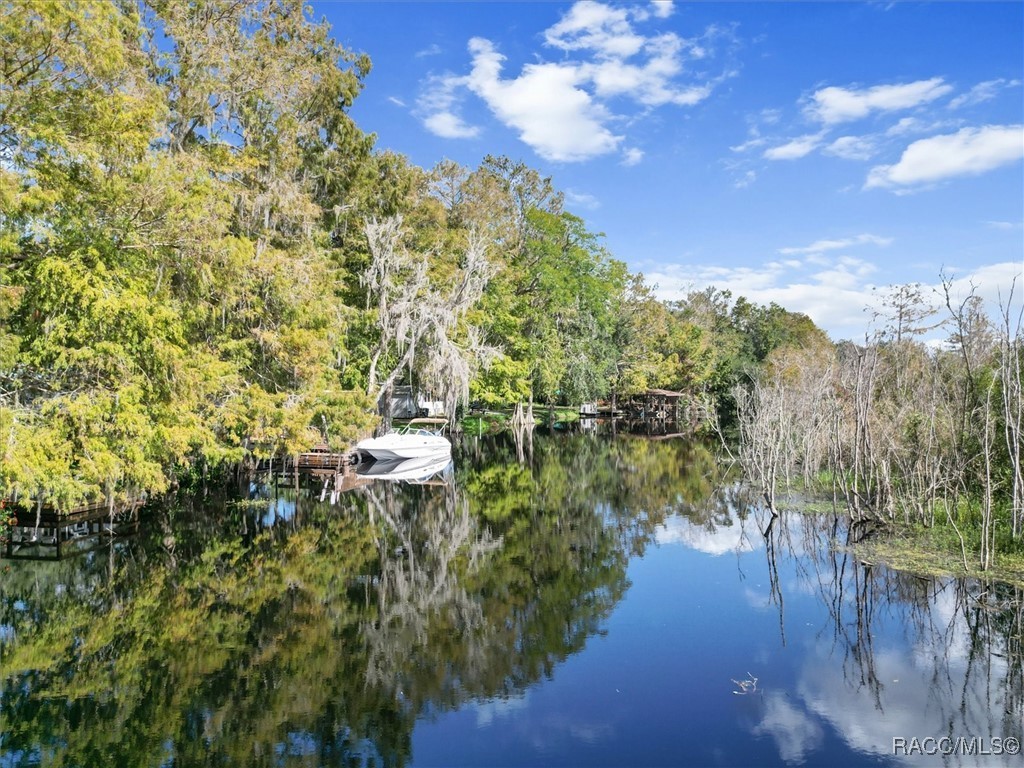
930, 551
936, 552
490, 422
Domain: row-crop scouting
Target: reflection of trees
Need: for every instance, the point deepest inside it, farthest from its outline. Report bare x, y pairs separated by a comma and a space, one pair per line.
317, 635
424, 550
956, 669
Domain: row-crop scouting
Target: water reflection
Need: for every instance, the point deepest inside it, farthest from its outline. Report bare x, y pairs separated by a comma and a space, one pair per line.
278, 628
897, 656
568, 597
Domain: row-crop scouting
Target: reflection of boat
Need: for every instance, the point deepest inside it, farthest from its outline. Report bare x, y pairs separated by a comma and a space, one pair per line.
411, 470
413, 441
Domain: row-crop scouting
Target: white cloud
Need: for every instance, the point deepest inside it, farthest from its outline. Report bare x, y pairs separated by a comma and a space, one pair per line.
436, 106
838, 310
752, 143
839, 105
649, 83
847, 274
662, 8
992, 283
745, 180
499, 707
905, 125
795, 149
396, 101
552, 114
851, 148
821, 246
968, 152
1004, 225
562, 109
449, 126
838, 297
632, 156
982, 92
908, 125
430, 50
581, 200
594, 26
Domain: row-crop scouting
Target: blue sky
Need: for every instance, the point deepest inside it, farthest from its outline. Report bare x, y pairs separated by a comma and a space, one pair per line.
806, 153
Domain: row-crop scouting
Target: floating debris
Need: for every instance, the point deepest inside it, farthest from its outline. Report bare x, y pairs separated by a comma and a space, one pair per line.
746, 686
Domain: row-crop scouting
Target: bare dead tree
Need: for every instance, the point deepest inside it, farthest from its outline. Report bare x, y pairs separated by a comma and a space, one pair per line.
1011, 343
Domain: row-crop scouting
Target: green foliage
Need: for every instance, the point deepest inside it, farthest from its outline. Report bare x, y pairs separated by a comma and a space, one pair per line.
184, 260
169, 294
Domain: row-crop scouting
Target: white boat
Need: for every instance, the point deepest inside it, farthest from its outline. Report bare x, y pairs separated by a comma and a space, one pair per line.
413, 441
409, 470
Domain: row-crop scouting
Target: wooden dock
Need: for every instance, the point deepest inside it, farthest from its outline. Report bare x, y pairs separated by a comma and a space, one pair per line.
319, 460
47, 533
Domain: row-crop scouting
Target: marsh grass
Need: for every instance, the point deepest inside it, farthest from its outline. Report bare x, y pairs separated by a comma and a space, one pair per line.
923, 550
936, 552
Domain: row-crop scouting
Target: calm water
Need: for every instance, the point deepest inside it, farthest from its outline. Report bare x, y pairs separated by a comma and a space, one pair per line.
603, 602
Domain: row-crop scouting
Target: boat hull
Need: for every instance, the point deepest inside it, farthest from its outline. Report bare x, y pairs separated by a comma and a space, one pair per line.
397, 446
409, 470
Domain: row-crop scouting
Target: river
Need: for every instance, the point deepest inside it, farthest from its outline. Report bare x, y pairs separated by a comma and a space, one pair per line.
578, 600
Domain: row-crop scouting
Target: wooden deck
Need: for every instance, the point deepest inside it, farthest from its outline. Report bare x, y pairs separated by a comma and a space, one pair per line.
49, 533
316, 462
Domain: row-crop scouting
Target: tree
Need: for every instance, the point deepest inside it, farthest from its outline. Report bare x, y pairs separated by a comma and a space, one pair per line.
167, 296
418, 321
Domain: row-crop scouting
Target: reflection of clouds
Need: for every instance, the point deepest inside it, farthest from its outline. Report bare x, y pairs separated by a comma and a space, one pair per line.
590, 733
867, 724
908, 702
554, 729
488, 711
795, 732
547, 733
709, 538
945, 619
755, 599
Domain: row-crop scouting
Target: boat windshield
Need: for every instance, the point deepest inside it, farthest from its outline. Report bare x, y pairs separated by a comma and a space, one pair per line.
424, 426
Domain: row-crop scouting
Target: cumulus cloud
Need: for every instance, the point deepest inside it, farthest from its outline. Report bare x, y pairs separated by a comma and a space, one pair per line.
450, 126
591, 25
968, 152
834, 304
662, 8
833, 104
852, 148
836, 292
437, 107
982, 92
562, 109
545, 104
794, 149
632, 156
